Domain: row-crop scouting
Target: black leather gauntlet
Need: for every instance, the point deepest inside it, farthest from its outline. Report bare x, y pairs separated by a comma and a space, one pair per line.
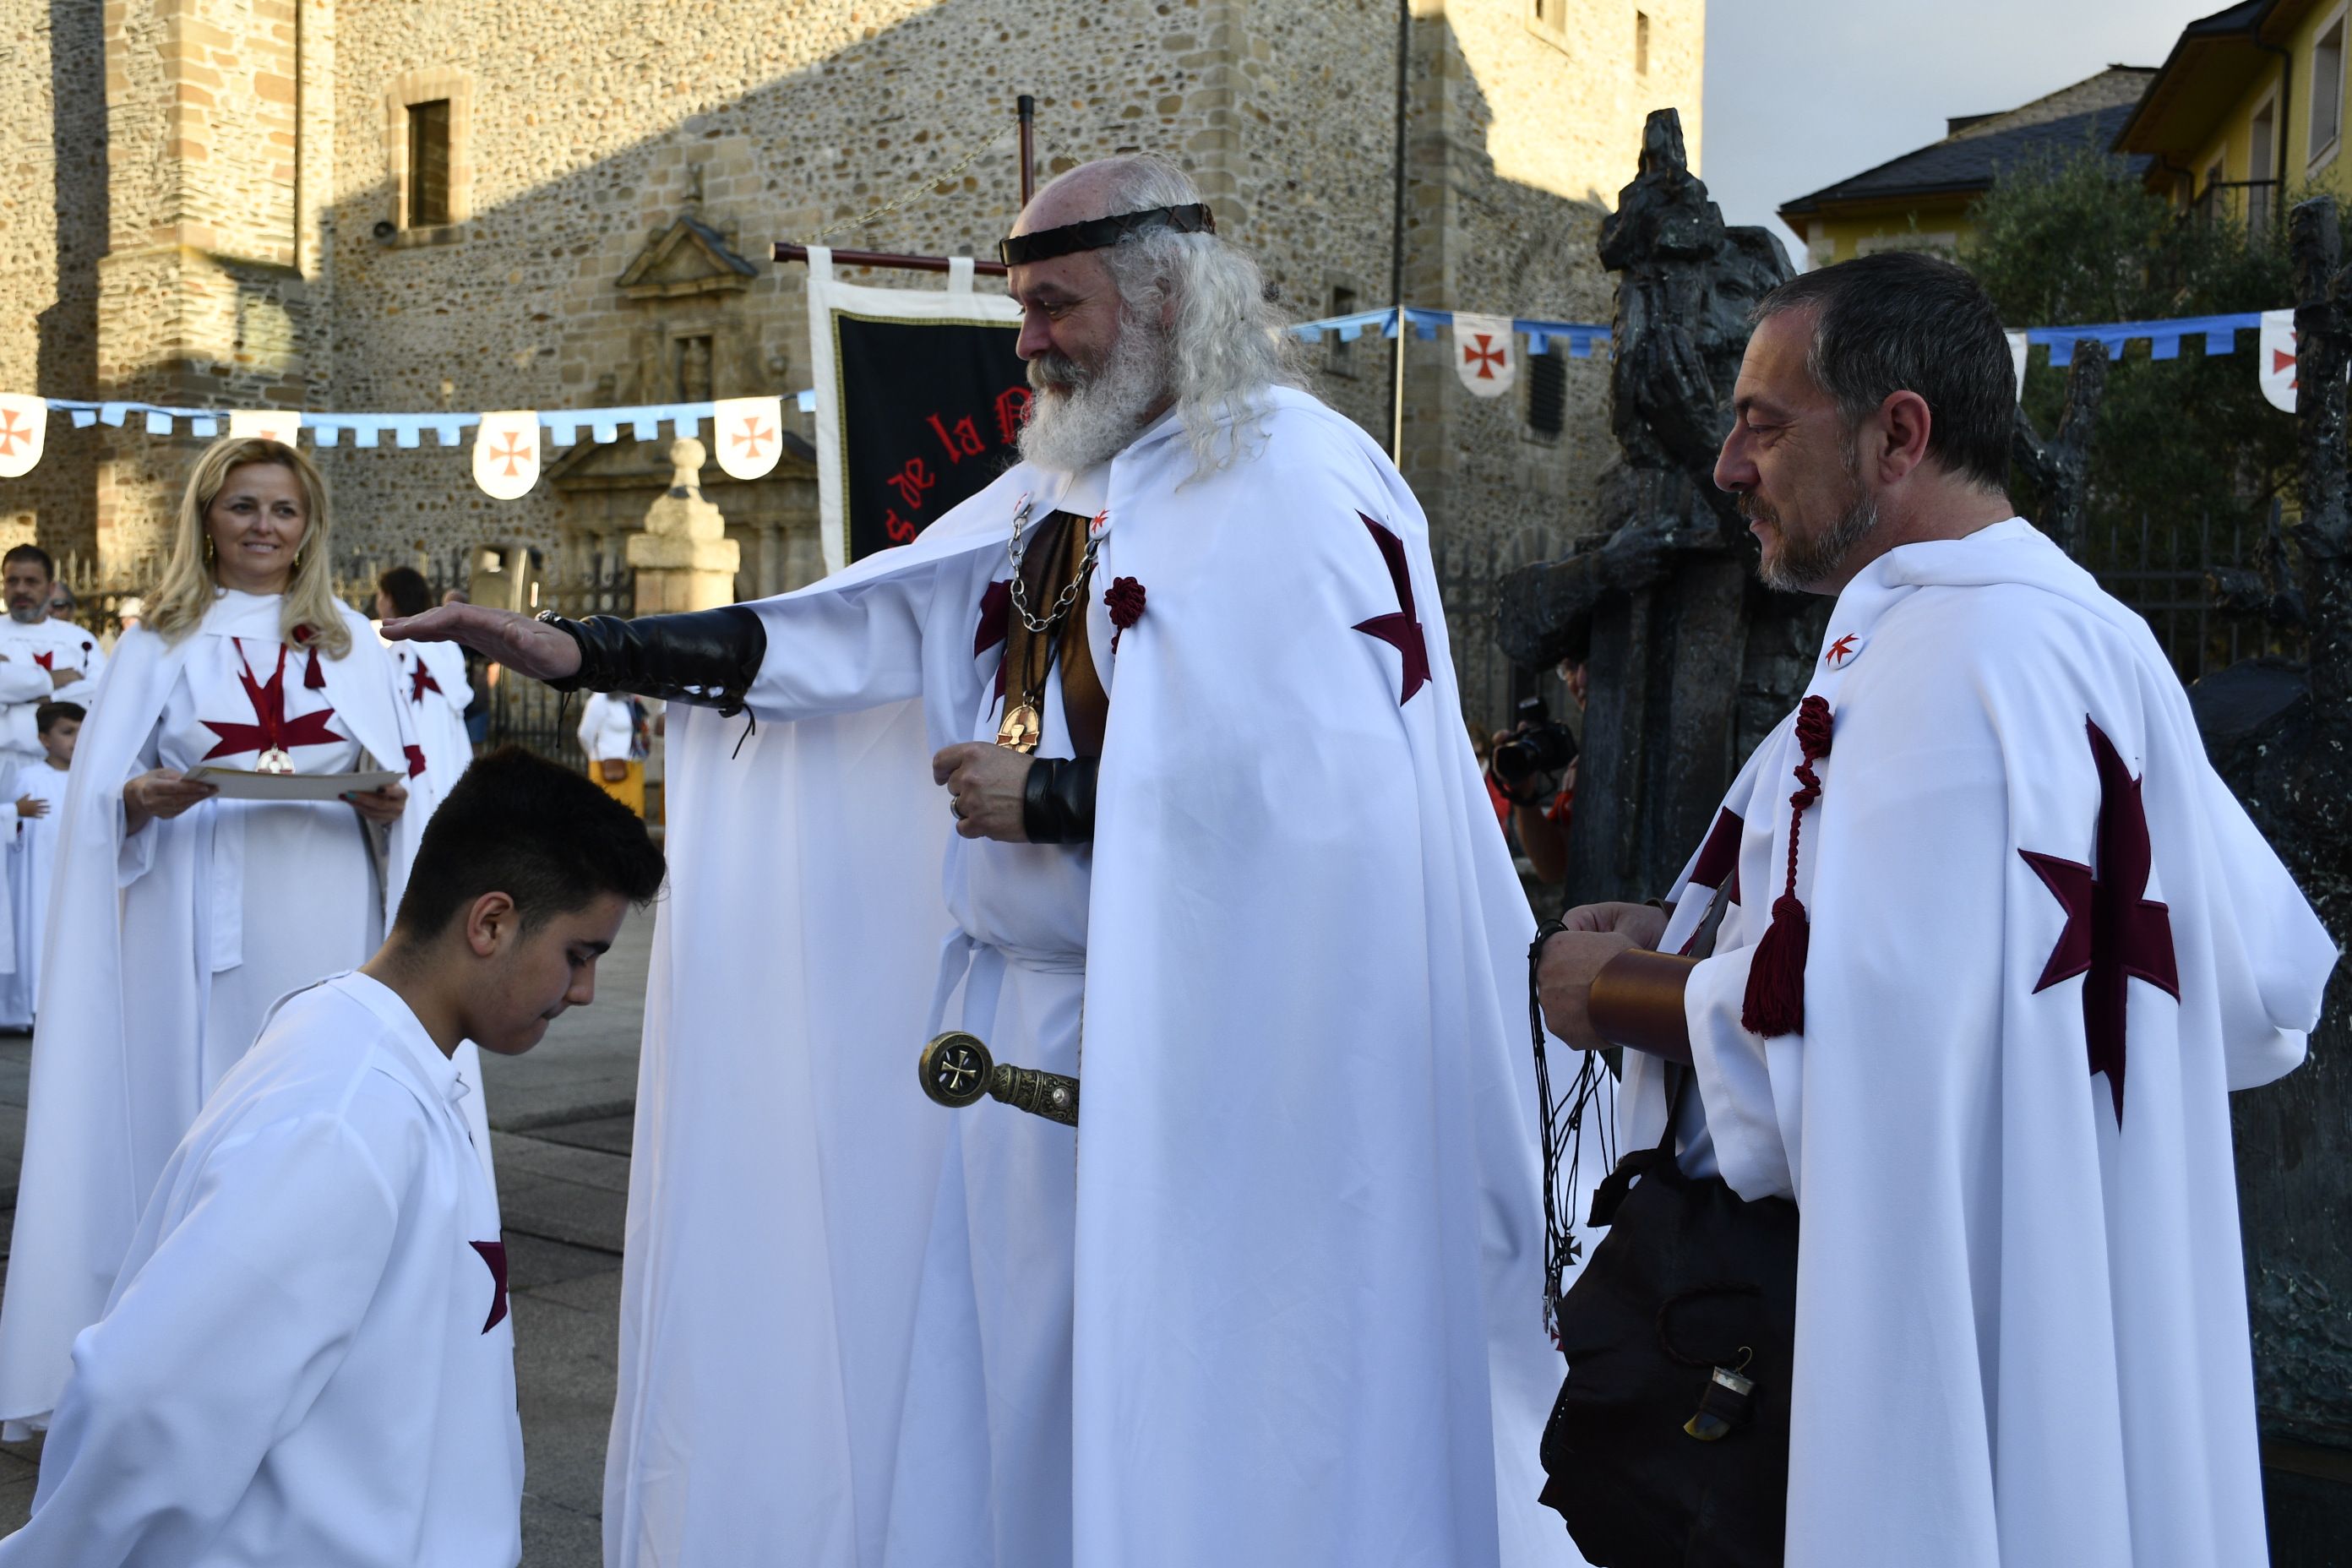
708, 656
1057, 803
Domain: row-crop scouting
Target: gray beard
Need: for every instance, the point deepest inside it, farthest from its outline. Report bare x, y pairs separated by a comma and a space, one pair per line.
1093, 417
1801, 563
27, 618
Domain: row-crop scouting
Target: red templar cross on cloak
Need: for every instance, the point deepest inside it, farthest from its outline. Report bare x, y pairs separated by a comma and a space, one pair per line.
11, 432
494, 1257
271, 728
514, 454
1485, 355
2114, 931
420, 681
1401, 630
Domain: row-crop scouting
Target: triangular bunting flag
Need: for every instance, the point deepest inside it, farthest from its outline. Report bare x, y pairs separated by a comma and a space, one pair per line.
2276, 351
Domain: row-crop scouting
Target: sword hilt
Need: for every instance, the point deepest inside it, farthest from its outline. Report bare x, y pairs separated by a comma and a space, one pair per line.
956, 1070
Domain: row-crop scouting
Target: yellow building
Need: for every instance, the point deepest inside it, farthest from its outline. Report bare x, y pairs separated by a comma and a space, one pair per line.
1921, 200
2210, 123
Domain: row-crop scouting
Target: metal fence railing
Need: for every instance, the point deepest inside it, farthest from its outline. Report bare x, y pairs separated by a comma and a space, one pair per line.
2164, 572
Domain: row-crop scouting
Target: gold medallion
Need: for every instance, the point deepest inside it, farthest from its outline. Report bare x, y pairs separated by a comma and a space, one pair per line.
1020, 728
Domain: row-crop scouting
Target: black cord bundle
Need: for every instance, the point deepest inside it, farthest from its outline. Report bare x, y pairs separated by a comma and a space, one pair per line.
1563, 1129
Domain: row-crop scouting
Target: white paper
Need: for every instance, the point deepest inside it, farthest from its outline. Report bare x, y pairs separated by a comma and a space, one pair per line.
237, 784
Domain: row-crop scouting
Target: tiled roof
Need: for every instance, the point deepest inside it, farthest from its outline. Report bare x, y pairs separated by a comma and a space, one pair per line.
1970, 160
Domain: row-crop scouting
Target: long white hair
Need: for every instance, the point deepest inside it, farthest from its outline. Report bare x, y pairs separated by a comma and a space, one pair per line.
1225, 347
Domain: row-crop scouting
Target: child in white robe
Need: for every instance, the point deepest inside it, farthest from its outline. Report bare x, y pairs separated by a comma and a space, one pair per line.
307, 1357
38, 791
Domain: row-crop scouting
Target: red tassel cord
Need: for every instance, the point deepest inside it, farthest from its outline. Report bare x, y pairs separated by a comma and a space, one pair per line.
1775, 1003
314, 679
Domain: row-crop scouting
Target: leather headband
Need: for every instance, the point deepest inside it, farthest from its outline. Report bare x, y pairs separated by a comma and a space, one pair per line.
1098, 234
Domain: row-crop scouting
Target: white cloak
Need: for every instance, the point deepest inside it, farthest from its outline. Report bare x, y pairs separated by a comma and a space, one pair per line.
64, 645
30, 859
2022, 1323
431, 676
140, 934
1307, 1310
308, 1358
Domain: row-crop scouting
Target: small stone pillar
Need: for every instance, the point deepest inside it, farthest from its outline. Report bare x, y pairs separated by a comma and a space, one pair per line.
684, 559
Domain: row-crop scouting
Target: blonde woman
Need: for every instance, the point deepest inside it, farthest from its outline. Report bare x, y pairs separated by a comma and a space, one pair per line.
181, 916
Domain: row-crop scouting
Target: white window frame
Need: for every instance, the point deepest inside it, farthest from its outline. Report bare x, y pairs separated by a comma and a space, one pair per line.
2317, 156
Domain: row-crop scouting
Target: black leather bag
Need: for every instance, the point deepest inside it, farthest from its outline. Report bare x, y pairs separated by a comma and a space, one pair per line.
1656, 1456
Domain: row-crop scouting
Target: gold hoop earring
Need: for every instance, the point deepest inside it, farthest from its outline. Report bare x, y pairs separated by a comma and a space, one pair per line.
298, 560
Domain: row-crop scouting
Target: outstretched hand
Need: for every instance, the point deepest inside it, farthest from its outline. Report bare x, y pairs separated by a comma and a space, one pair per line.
505, 636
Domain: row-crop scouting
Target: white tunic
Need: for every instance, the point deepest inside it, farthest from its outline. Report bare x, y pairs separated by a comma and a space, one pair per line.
431, 676
32, 852
607, 729
308, 1359
165, 947
2020, 1315
44, 646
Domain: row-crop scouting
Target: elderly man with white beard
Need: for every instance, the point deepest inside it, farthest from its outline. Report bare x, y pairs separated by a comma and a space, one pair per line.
1220, 854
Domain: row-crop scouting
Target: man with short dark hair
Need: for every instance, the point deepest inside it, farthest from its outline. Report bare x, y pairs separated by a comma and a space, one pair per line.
1994, 943
307, 1358
41, 657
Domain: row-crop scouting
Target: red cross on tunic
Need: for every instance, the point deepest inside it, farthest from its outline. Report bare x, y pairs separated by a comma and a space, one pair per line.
494, 1257
270, 730
47, 659
1483, 356
1401, 630
2114, 931
420, 681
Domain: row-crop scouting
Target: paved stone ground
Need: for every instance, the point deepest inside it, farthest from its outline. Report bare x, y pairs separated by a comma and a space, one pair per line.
560, 1120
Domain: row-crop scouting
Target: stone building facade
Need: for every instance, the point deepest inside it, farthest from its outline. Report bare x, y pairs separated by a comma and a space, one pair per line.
212, 204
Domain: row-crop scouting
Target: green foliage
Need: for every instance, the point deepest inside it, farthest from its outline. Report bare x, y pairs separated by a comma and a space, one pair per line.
2076, 239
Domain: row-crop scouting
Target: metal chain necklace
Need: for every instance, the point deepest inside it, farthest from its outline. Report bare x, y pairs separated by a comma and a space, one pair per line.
1038, 626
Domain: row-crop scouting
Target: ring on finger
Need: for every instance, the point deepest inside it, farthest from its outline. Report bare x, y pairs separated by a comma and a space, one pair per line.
955, 808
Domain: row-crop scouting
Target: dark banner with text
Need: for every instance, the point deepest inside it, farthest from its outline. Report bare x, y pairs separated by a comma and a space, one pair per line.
930, 413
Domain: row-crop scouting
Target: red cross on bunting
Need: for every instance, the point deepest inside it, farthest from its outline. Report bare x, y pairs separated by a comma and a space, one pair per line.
2114, 931
494, 1257
513, 454
271, 730
1401, 630
1485, 355
752, 436
2280, 360
11, 433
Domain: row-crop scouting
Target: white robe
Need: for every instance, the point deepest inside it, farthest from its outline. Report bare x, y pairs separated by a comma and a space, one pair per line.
165, 948
431, 676
308, 1358
606, 731
2022, 1323
30, 859
26, 682
1279, 1298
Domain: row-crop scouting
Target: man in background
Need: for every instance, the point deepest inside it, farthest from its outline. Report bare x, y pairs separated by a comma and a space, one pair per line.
41, 659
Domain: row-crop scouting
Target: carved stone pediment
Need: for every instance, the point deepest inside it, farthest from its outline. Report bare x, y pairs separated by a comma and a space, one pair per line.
688, 258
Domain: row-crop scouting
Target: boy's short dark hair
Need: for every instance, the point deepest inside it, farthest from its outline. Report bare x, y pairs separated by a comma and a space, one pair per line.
542, 835
406, 588
49, 713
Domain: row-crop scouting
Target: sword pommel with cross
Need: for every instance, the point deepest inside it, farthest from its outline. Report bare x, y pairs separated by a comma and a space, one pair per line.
956, 1070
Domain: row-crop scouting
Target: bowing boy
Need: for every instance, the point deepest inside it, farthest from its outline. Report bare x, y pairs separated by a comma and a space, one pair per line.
307, 1358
